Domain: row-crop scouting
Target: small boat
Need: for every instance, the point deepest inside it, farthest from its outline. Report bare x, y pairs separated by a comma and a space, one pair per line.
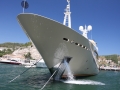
29, 66
10, 61
41, 64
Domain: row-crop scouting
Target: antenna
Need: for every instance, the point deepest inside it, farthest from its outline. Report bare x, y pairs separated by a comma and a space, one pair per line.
85, 30
67, 17
91, 35
25, 5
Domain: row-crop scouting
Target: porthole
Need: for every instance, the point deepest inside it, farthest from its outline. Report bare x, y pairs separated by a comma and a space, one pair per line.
83, 46
66, 39
80, 45
77, 44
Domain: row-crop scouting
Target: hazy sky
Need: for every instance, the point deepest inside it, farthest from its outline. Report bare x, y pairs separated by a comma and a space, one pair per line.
103, 15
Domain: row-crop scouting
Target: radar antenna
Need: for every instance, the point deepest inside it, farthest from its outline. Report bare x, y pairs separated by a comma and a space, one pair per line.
85, 30
67, 17
25, 5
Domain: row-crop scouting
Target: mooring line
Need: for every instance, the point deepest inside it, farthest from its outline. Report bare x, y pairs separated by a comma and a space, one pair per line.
48, 80
50, 77
23, 72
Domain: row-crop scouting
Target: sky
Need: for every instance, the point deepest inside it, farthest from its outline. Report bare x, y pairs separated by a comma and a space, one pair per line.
103, 15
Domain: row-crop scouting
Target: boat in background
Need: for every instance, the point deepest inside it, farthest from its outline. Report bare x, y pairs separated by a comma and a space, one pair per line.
34, 63
29, 65
41, 64
11, 61
57, 43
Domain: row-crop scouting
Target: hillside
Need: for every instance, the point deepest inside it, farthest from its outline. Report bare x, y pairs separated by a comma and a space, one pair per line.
21, 50
15, 45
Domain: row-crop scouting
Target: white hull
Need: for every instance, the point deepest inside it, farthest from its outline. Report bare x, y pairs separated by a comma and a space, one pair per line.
49, 38
14, 62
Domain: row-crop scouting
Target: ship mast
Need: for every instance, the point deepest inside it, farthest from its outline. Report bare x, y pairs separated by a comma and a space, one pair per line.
67, 17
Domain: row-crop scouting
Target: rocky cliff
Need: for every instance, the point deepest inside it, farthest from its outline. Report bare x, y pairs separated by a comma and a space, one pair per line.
23, 51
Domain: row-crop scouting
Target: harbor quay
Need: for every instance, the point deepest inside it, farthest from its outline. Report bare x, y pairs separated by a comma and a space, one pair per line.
109, 68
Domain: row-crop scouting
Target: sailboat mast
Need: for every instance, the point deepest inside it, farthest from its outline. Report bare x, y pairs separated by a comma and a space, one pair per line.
67, 17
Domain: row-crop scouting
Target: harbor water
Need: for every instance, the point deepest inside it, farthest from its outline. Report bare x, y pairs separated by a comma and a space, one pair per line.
35, 78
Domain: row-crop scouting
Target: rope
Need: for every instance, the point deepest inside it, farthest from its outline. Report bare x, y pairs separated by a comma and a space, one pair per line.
22, 72
48, 80
50, 77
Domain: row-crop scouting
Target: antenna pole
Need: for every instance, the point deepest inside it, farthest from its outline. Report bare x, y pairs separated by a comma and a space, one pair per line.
24, 6
91, 35
67, 17
23, 9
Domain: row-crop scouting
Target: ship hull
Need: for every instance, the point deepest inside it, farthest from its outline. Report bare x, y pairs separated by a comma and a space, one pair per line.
54, 41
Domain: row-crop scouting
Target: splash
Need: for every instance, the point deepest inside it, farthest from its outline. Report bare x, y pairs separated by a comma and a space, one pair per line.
83, 82
69, 73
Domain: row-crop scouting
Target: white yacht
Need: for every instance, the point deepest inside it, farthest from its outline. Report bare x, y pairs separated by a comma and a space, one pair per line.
11, 61
57, 42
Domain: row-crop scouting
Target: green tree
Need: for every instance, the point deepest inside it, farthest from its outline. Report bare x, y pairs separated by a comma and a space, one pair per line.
114, 58
5, 51
8, 51
28, 55
28, 44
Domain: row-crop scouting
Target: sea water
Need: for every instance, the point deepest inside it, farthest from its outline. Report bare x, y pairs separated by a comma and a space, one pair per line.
35, 78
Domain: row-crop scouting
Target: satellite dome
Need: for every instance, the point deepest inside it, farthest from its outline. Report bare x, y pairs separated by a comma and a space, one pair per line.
81, 28
89, 27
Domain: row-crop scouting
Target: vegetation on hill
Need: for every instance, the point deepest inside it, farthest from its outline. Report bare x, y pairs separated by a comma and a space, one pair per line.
115, 58
28, 55
5, 51
12, 46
